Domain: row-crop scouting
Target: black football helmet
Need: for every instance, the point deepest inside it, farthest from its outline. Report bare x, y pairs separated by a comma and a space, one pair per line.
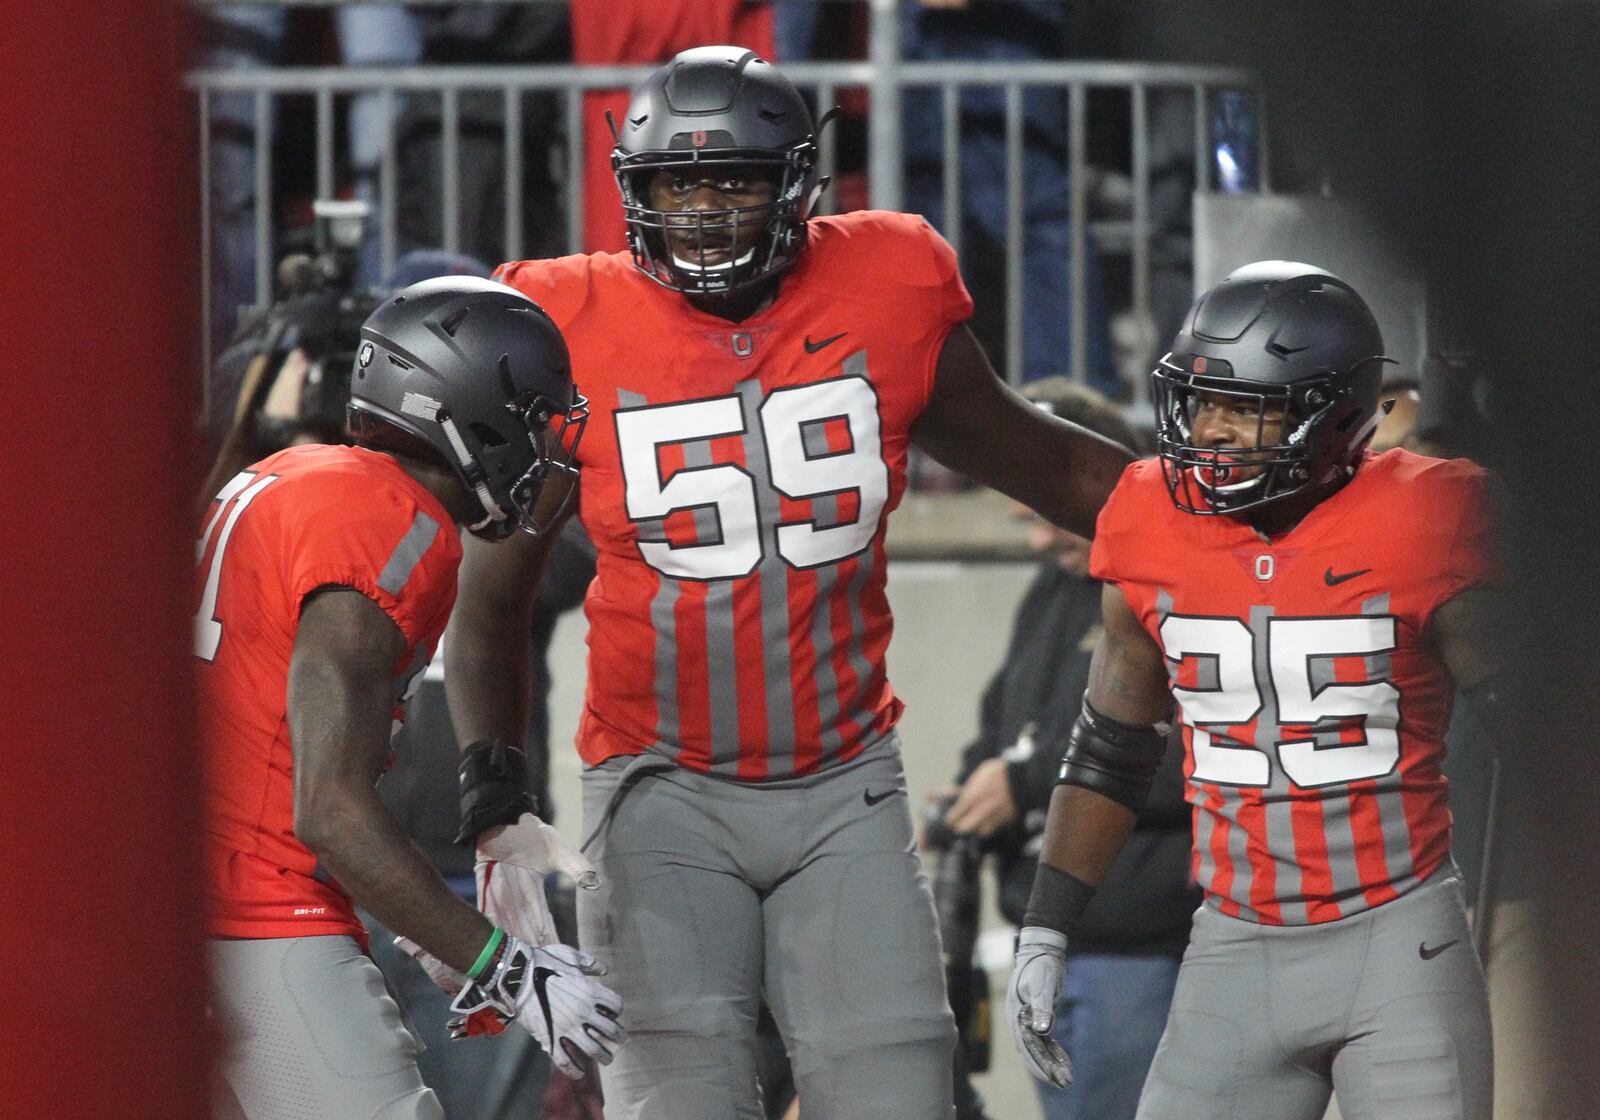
709, 109
473, 373
1282, 335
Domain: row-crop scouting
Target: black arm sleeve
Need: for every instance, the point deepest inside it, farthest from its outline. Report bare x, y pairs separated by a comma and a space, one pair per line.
1112, 758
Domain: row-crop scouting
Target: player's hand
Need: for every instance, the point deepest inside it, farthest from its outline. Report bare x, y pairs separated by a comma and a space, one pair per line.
513, 861
984, 804
1031, 1003
488, 1021
550, 992
536, 846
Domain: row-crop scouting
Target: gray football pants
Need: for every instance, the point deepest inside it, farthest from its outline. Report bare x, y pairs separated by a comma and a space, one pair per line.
808, 891
310, 1032
1385, 1009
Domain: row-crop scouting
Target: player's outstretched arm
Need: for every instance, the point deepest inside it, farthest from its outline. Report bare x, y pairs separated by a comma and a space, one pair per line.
1110, 760
341, 701
976, 424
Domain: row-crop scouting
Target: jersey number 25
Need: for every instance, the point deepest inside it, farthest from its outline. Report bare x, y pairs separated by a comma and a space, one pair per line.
1297, 673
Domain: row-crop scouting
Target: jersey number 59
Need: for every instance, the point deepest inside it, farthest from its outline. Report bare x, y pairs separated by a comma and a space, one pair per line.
790, 436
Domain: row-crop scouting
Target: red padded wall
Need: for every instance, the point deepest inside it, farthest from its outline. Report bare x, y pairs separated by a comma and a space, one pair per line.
101, 1004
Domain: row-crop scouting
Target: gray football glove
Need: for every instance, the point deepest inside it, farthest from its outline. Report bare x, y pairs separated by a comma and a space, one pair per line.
1031, 1003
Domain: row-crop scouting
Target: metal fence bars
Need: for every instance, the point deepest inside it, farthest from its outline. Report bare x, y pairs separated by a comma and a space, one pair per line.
267, 92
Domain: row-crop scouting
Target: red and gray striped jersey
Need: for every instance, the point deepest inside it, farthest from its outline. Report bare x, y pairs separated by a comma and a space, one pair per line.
1313, 707
736, 481
305, 518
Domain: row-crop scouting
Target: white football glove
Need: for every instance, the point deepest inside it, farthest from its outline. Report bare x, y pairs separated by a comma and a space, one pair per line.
1031, 1003
513, 861
548, 991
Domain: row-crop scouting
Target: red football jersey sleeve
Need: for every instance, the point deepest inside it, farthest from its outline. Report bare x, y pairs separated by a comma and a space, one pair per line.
1313, 706
736, 482
303, 519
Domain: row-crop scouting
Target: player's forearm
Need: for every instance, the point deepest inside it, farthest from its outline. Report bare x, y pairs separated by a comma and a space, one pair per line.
364, 848
1065, 473
1084, 833
488, 674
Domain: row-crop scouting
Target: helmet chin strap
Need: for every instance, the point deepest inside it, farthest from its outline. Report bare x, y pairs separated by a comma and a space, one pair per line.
469, 466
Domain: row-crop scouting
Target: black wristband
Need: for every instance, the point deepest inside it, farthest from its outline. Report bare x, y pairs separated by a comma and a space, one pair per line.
494, 788
1058, 899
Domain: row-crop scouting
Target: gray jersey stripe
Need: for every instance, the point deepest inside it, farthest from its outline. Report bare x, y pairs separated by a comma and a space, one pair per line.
408, 553
1205, 827
1391, 805
827, 680
721, 677
664, 619
1278, 811
855, 647
772, 580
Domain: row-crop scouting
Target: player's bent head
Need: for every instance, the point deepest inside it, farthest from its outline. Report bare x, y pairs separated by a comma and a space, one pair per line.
716, 159
474, 375
1270, 390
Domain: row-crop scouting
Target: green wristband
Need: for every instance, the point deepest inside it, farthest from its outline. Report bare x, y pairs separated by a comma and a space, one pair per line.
485, 958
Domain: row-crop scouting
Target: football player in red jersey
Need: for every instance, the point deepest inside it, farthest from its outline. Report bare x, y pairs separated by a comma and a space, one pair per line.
1313, 607
327, 574
756, 380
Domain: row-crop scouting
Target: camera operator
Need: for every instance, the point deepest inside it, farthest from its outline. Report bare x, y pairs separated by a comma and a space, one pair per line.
287, 370
1124, 962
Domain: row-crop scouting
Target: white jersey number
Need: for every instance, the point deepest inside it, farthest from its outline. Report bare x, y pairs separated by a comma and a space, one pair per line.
231, 500
1296, 648
794, 424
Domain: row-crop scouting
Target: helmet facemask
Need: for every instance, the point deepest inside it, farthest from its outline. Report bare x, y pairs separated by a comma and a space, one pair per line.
505, 465
508, 466
1316, 442
756, 242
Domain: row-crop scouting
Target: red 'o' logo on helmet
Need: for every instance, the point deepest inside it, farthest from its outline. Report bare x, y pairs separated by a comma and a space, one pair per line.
1200, 365
699, 138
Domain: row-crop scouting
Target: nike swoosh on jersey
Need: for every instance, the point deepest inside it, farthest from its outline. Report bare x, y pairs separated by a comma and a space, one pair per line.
1333, 581
813, 347
866, 795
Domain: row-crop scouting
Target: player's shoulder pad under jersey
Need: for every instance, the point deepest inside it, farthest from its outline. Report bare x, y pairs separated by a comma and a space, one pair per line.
353, 517
1445, 512
564, 286
887, 247
1131, 519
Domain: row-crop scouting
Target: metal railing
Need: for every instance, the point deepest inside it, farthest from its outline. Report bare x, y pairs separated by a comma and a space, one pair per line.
884, 76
